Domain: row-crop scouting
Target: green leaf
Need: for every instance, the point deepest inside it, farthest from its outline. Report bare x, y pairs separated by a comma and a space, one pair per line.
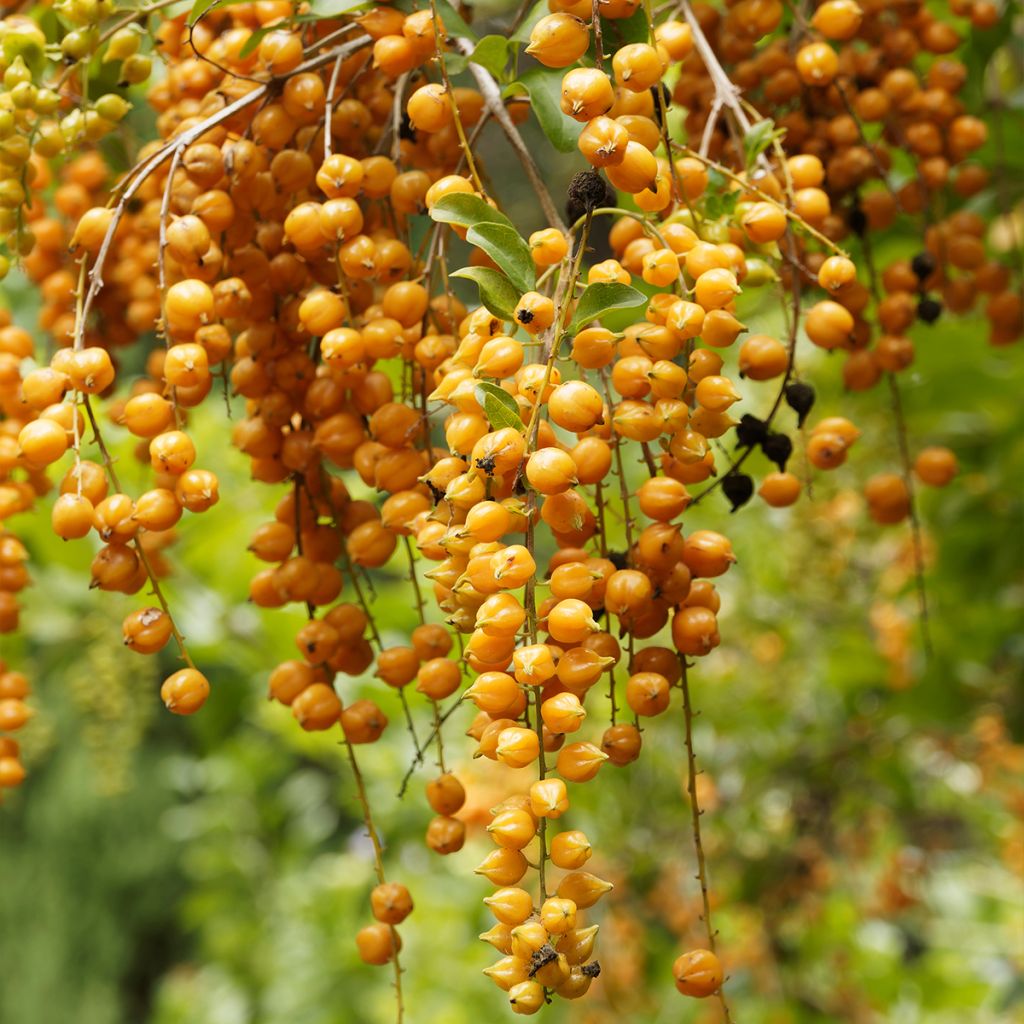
200, 7
455, 63
507, 248
497, 292
598, 299
544, 86
499, 406
454, 25
620, 31
332, 8
491, 53
254, 40
761, 136
466, 210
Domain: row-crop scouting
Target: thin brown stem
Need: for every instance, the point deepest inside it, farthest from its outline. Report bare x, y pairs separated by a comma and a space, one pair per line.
492, 98
378, 864
906, 468
695, 816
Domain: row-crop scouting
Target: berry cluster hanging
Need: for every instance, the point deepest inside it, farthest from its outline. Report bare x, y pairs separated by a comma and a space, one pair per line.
533, 425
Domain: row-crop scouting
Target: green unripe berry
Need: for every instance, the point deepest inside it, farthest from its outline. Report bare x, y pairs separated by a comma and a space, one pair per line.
135, 70
715, 232
16, 74
23, 96
112, 107
759, 272
80, 44
47, 102
49, 140
5, 266
25, 41
96, 127
7, 124
124, 43
73, 126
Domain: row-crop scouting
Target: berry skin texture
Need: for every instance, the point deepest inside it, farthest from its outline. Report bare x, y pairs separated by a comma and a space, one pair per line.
391, 903
936, 466
377, 943
698, 973
185, 691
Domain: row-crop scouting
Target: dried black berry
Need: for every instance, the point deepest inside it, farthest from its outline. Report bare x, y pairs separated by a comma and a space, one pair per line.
923, 265
858, 221
777, 448
929, 310
800, 398
738, 488
750, 431
618, 559
666, 101
587, 192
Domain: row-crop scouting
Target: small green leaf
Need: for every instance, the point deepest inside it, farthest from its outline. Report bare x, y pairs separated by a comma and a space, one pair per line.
199, 8
497, 292
491, 53
761, 136
499, 406
634, 29
507, 248
598, 299
466, 210
455, 63
254, 40
332, 8
544, 86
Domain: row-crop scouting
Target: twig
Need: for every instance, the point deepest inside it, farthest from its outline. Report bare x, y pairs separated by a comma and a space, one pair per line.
418, 759
695, 815
492, 98
378, 866
915, 521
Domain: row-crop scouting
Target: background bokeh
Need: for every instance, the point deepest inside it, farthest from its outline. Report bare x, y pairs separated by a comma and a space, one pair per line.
864, 804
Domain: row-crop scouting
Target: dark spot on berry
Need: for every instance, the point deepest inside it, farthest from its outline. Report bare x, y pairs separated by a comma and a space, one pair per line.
525, 316
545, 955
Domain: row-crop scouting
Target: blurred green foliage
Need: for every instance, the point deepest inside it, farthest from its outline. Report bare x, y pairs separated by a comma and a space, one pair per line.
213, 870
861, 816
